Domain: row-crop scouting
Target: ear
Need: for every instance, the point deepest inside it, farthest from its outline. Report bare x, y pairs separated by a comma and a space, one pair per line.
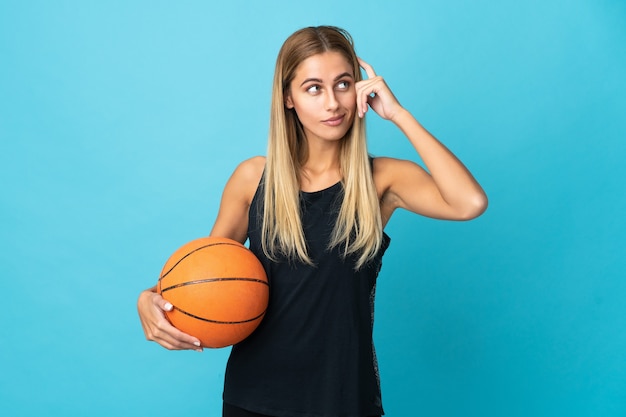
288, 101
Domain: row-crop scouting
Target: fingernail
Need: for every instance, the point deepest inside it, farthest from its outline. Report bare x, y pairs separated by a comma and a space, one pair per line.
168, 307
198, 350
196, 343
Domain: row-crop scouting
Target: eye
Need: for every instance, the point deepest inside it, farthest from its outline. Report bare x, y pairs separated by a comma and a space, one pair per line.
313, 89
343, 85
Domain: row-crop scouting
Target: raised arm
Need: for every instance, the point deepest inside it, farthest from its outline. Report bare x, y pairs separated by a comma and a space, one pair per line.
445, 190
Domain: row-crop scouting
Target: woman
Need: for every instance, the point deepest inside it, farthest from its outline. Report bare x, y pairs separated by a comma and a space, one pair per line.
314, 211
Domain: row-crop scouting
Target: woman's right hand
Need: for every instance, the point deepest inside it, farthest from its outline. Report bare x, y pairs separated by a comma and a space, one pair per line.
151, 307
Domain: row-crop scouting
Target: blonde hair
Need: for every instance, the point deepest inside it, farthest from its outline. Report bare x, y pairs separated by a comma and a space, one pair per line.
359, 227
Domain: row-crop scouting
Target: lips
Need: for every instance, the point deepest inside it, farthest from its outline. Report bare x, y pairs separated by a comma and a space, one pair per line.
334, 121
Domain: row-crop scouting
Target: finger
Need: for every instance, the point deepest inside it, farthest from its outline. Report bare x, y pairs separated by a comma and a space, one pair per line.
361, 104
169, 334
368, 68
366, 93
175, 345
170, 337
165, 305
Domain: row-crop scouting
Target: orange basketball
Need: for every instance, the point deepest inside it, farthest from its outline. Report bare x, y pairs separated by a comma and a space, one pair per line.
218, 289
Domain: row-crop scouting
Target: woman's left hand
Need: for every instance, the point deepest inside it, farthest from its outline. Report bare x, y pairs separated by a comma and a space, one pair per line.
373, 91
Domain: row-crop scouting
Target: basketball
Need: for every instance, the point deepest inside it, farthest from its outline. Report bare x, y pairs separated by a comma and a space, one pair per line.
218, 290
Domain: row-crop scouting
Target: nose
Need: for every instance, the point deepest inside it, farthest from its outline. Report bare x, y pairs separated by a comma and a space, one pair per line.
331, 102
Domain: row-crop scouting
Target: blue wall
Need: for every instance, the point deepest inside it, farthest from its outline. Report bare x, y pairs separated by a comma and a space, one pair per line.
120, 122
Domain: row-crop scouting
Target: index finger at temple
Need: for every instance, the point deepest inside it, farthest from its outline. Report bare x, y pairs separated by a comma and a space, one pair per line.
368, 68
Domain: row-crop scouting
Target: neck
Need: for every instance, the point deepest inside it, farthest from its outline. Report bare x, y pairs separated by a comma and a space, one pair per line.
322, 167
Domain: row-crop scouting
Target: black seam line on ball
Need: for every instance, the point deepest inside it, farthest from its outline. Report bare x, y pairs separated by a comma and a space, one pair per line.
218, 321
203, 281
196, 250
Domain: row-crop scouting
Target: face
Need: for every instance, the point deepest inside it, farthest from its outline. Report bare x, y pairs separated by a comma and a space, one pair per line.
323, 96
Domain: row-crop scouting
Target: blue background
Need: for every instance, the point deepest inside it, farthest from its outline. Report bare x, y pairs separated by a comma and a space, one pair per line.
120, 122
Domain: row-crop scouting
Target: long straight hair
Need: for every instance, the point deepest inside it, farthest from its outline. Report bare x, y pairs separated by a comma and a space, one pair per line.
358, 229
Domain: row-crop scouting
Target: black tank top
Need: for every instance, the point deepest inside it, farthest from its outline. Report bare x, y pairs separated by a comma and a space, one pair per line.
313, 353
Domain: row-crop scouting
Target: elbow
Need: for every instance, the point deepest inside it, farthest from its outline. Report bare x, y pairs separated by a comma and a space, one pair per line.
474, 207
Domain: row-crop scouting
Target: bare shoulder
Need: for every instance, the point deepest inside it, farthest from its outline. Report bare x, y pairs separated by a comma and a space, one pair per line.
387, 171
396, 180
244, 181
249, 172
251, 169
232, 218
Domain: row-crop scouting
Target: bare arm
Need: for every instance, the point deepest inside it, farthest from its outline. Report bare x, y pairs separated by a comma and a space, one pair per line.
446, 191
232, 218
231, 222
151, 307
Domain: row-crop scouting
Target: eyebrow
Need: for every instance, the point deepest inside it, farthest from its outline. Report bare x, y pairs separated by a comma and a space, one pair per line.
317, 80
